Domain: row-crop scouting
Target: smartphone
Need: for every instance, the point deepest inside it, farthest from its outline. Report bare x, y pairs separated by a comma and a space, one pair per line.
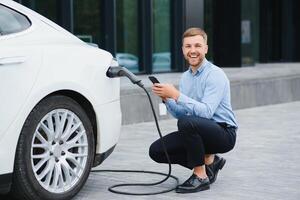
153, 79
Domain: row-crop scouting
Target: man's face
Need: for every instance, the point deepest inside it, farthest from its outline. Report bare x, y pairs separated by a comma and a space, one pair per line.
194, 49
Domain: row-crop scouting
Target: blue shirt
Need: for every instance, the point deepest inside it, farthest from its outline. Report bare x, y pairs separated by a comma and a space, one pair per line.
205, 93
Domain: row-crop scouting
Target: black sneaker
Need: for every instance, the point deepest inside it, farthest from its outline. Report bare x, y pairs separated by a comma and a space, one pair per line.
213, 169
193, 184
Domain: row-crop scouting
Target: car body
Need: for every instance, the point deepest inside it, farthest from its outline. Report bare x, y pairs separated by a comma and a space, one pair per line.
57, 107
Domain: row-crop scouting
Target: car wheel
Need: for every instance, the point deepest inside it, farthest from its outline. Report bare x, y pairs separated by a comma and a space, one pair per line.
55, 151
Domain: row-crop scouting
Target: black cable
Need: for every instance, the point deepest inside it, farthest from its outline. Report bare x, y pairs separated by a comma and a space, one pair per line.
111, 188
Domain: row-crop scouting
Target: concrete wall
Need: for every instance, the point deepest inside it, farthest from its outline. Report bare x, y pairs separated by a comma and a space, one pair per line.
259, 92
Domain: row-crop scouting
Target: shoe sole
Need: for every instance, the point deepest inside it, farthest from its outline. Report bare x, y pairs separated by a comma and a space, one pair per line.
221, 165
183, 191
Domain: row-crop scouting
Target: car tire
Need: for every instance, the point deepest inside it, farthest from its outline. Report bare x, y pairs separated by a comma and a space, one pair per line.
55, 151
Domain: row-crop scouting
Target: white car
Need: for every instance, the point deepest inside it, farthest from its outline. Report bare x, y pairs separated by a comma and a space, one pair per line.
59, 113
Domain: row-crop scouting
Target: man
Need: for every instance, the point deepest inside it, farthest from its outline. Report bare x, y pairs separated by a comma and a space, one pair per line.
206, 123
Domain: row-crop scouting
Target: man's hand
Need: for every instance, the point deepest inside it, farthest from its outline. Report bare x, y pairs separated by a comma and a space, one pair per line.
165, 91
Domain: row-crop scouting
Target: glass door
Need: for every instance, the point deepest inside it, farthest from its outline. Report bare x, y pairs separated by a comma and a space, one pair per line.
87, 20
127, 35
161, 57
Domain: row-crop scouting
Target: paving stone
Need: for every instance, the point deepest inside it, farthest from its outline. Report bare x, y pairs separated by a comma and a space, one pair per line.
264, 165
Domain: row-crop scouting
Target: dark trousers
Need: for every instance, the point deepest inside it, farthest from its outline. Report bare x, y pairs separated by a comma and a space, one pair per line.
195, 137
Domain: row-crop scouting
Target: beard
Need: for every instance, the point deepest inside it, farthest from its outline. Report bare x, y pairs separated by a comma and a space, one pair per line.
194, 61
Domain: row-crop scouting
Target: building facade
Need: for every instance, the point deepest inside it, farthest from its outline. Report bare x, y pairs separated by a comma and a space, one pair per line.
145, 35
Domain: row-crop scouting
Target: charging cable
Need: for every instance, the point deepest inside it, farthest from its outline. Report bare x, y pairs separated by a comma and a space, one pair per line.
121, 71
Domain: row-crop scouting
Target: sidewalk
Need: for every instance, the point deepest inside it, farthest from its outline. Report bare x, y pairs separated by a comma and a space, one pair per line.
264, 165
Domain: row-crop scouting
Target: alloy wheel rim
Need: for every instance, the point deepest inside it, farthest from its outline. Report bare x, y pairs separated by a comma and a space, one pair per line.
59, 151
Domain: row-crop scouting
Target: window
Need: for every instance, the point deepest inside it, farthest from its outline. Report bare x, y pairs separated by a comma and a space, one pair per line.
87, 20
161, 57
128, 35
48, 9
209, 27
12, 21
249, 32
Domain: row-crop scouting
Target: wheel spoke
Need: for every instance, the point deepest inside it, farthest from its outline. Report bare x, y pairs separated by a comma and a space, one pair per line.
50, 124
56, 175
77, 137
76, 155
66, 173
40, 156
61, 124
40, 163
49, 174
73, 129
74, 161
43, 146
48, 132
47, 169
71, 145
40, 137
67, 131
70, 169
56, 122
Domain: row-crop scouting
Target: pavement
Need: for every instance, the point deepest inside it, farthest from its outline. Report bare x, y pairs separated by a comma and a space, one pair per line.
264, 165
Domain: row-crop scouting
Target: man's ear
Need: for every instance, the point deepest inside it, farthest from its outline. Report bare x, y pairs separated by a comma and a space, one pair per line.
206, 49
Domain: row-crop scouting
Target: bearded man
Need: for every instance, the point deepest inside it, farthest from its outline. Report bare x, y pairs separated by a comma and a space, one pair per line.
206, 123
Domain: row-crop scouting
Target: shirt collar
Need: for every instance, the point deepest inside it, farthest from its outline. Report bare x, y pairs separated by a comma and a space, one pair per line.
200, 69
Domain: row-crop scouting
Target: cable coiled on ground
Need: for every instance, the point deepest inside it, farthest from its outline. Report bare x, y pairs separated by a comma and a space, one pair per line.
167, 176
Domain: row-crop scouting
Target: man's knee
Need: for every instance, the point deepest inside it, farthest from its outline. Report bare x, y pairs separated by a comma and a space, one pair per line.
154, 152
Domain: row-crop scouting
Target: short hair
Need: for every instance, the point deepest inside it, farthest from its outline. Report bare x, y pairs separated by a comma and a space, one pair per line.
193, 32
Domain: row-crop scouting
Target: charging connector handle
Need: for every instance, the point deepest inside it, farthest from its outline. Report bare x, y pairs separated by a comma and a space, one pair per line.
118, 71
